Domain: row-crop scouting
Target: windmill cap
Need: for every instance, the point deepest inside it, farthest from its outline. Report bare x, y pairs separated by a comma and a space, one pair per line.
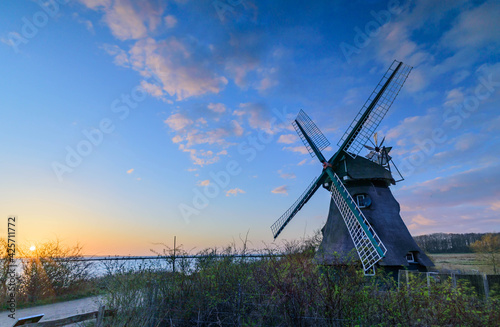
361, 168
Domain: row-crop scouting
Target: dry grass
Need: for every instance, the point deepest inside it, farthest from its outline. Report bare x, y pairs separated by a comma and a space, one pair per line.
465, 262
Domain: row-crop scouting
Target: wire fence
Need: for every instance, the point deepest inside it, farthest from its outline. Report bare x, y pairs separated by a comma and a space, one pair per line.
483, 285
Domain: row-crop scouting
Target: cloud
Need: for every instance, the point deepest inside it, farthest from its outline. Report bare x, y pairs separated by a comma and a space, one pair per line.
266, 83
121, 57
237, 129
175, 66
95, 4
215, 136
467, 141
422, 221
475, 28
234, 192
286, 175
281, 190
170, 21
130, 171
411, 132
217, 107
259, 117
288, 138
128, 20
495, 206
177, 139
87, 23
204, 183
302, 162
300, 149
476, 187
200, 157
153, 89
191, 135
178, 121
454, 96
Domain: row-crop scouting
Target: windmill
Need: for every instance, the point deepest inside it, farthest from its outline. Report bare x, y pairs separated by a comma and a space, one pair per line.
363, 213
379, 154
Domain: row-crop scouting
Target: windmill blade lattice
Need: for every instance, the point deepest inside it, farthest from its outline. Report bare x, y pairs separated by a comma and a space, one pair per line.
379, 105
278, 226
312, 131
367, 243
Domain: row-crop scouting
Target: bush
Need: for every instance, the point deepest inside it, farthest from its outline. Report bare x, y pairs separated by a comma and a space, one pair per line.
51, 271
222, 289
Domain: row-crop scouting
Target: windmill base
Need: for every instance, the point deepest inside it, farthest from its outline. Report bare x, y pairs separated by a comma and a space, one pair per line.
383, 213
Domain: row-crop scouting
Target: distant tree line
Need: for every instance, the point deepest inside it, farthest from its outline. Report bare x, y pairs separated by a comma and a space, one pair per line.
448, 243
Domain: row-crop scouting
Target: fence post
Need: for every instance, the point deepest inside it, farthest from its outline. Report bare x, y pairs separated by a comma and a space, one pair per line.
454, 280
428, 284
100, 316
239, 304
486, 286
407, 281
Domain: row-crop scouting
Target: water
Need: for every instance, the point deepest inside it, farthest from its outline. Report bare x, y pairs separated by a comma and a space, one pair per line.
102, 266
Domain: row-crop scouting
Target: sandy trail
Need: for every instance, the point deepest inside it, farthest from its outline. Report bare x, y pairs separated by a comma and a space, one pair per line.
53, 311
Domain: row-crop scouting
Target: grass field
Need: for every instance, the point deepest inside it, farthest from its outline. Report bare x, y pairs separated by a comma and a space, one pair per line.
465, 262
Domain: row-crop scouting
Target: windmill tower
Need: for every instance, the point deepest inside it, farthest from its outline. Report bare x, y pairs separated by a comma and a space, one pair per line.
363, 213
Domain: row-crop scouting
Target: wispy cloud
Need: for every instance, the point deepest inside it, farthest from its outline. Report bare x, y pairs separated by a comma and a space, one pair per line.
175, 67
178, 121
217, 107
170, 21
130, 171
128, 19
475, 28
234, 192
258, 116
300, 149
204, 183
281, 190
286, 175
302, 162
288, 138
174, 62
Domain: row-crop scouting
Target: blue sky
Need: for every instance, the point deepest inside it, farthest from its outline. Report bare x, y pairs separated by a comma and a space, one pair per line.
125, 123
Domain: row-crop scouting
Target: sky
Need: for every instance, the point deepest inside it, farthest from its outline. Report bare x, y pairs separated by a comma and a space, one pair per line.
126, 123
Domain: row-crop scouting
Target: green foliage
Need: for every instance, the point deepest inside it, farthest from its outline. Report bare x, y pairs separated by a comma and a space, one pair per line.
289, 291
489, 248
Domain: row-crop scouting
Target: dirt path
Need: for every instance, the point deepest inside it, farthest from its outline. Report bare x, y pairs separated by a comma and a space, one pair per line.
53, 311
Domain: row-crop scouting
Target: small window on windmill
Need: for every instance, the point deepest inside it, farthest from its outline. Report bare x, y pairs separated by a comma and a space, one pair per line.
363, 200
410, 257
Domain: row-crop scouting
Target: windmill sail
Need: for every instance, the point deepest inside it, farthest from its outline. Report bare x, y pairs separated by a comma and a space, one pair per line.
278, 226
313, 132
375, 108
367, 243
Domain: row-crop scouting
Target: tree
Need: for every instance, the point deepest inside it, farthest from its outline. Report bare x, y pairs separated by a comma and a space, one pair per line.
489, 249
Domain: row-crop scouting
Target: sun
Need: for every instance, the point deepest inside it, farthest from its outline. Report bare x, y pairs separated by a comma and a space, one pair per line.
32, 248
